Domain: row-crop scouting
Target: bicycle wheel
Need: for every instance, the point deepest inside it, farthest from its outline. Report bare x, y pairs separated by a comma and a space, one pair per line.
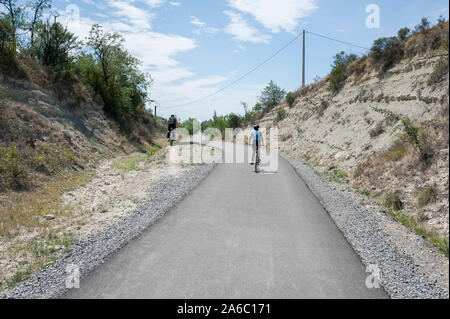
257, 164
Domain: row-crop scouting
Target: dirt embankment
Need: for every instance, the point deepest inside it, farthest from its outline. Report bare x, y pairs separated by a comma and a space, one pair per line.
346, 140
53, 135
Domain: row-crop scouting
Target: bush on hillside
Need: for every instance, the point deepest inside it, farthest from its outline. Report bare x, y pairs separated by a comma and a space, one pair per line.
439, 72
423, 26
403, 34
338, 72
385, 52
281, 115
290, 99
408, 132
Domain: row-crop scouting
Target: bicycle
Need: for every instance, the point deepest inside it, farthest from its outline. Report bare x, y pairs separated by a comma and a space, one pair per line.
257, 161
172, 137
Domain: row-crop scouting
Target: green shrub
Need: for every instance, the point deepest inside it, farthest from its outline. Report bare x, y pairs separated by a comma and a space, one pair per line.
234, 120
439, 72
11, 166
408, 132
281, 114
152, 150
386, 52
403, 33
338, 71
290, 99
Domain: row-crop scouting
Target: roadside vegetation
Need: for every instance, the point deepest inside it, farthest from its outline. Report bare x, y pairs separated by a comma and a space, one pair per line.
133, 162
100, 61
387, 52
271, 96
42, 158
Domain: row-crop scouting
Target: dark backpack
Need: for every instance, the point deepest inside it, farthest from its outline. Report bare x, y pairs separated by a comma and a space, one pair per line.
172, 121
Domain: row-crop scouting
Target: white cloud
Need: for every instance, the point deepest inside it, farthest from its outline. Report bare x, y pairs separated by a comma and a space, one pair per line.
174, 82
241, 31
201, 27
153, 3
196, 21
157, 52
138, 19
240, 48
276, 15
175, 4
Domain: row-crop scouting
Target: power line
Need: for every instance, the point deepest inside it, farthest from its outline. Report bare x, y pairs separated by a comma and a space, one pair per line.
240, 78
336, 40
260, 65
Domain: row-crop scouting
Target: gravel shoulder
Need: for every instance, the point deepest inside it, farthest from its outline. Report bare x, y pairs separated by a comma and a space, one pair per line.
121, 206
409, 267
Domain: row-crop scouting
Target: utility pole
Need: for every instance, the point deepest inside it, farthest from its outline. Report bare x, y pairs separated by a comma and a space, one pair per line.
304, 53
155, 110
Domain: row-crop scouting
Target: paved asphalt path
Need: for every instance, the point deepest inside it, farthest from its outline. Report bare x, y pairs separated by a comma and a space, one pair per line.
237, 235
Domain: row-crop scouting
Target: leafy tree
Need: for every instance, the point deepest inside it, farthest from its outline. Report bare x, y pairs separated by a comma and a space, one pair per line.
234, 120
106, 45
423, 26
115, 76
37, 7
189, 125
14, 14
55, 44
6, 40
272, 95
257, 107
403, 33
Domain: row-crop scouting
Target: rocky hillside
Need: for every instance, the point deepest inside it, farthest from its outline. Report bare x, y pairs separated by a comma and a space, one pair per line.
346, 138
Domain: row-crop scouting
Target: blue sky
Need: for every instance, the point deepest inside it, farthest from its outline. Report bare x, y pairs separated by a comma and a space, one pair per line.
192, 48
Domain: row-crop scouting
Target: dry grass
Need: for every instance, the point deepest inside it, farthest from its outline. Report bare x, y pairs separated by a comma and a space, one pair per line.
427, 194
132, 162
32, 242
23, 210
377, 130
435, 39
392, 201
421, 229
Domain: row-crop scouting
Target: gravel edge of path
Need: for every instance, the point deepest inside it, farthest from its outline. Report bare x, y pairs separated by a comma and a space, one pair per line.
400, 275
92, 252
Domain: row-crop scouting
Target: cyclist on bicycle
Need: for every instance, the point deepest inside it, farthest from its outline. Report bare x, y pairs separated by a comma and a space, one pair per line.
172, 124
256, 140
